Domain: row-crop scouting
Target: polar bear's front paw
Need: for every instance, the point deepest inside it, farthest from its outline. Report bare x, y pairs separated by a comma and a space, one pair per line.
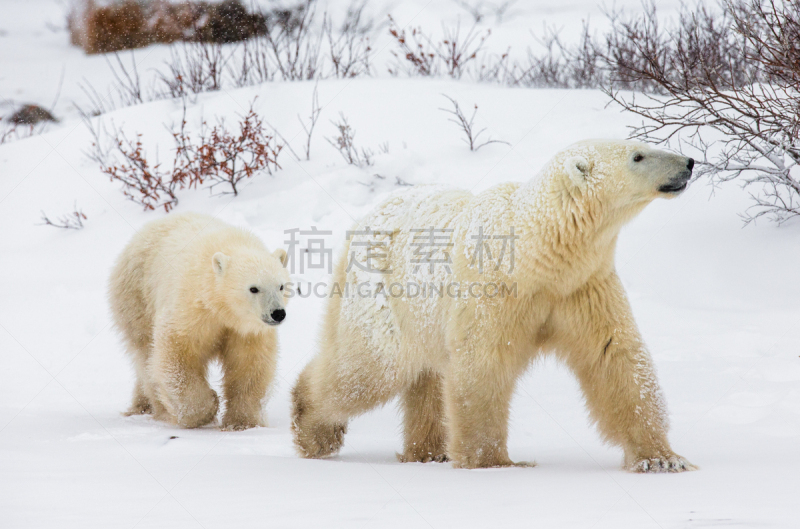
665, 463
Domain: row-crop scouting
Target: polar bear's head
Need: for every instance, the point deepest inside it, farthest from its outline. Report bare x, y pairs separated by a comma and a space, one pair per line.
252, 287
624, 173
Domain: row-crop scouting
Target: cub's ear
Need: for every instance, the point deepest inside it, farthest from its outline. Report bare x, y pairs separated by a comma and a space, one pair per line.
578, 169
220, 262
282, 256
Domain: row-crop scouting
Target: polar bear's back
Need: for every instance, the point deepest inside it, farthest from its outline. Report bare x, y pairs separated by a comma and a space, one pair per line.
401, 219
383, 324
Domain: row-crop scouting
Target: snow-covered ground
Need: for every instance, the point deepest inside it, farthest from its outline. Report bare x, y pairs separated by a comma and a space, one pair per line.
716, 302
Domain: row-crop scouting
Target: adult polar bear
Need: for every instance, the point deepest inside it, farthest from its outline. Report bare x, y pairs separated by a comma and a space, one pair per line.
455, 359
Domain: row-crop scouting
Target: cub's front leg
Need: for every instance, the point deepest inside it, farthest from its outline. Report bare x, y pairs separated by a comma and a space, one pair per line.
249, 369
179, 370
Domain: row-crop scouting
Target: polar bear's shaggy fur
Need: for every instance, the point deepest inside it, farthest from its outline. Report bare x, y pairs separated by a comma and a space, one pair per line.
189, 289
454, 358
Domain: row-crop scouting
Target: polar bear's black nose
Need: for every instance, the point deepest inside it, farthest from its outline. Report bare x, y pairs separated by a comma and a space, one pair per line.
690, 164
278, 315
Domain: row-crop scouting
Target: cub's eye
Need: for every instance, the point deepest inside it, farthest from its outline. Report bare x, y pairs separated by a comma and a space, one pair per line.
281, 287
638, 158
254, 290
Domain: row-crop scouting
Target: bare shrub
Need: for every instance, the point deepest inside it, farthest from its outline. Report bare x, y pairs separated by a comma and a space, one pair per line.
476, 9
222, 157
417, 55
747, 100
198, 67
380, 181
126, 90
701, 39
128, 84
494, 68
457, 52
349, 47
479, 9
500, 10
467, 126
218, 156
615, 57
69, 221
344, 143
295, 45
255, 65
316, 110
16, 132
577, 66
293, 48
142, 181
420, 55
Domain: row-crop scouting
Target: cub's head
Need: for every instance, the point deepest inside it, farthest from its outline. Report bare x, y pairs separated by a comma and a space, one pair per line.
252, 288
625, 174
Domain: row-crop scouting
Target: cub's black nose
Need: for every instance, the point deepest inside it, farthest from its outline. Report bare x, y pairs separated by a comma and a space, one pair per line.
690, 164
278, 315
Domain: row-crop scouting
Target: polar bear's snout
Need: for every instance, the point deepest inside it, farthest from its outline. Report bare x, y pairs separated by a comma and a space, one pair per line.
680, 181
275, 317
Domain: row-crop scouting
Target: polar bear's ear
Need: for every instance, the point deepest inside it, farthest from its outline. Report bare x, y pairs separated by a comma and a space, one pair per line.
578, 169
220, 262
282, 256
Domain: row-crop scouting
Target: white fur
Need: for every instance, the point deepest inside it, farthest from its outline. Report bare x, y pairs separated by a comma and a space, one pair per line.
181, 295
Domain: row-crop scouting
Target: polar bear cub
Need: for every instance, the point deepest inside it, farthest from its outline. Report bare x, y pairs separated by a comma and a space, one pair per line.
453, 346
189, 289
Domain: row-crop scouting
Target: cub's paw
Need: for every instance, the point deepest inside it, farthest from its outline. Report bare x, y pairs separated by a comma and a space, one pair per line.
232, 422
666, 463
422, 458
199, 410
237, 427
138, 409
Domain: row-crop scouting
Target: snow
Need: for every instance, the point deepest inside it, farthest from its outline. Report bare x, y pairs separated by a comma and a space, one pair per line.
716, 304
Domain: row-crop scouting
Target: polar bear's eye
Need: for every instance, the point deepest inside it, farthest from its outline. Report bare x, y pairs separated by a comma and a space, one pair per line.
254, 290
281, 287
638, 158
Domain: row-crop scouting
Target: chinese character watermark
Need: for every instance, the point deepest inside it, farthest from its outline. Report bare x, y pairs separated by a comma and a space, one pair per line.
428, 245
368, 246
315, 256
482, 247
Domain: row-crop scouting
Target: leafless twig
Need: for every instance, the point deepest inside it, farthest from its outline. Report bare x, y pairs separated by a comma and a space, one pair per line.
467, 125
312, 120
344, 144
68, 221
